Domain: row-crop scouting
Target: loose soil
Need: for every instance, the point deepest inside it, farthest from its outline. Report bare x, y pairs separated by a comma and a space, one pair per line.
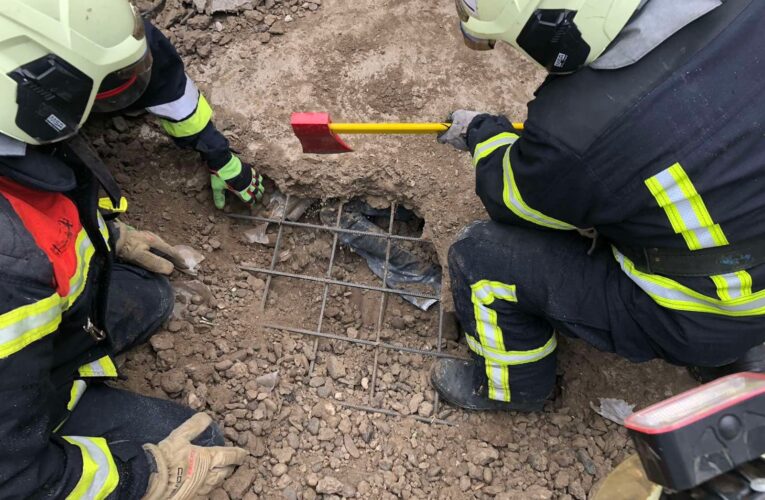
360, 60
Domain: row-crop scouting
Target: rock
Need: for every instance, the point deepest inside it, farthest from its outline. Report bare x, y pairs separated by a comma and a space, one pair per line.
464, 483
239, 483
313, 426
425, 409
283, 455
268, 381
328, 485
279, 470
480, 453
227, 5
120, 124
397, 323
264, 37
335, 367
562, 480
414, 403
350, 446
538, 462
175, 326
173, 381
219, 494
162, 342
277, 28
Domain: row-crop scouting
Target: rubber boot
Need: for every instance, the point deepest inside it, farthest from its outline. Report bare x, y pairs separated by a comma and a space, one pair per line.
464, 384
752, 361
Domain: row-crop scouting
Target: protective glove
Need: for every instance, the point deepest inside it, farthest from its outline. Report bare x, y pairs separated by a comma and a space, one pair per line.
456, 135
239, 178
185, 471
135, 247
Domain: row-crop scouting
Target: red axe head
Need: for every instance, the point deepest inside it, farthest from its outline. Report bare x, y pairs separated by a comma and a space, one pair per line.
313, 131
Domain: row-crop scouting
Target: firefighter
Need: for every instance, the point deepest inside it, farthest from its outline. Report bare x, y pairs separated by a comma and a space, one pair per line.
67, 305
646, 136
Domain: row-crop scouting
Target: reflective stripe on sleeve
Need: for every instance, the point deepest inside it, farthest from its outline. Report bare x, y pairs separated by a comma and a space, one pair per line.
181, 108
99, 476
486, 148
673, 295
27, 324
513, 200
194, 124
103, 367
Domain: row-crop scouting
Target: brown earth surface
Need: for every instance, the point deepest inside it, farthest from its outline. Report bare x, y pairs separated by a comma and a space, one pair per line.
384, 60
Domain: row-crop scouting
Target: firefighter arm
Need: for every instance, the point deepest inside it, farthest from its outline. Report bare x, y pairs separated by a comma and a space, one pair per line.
524, 180
183, 111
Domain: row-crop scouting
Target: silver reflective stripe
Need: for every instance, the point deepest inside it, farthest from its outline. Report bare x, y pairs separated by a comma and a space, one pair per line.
76, 286
181, 108
32, 319
515, 203
101, 473
673, 295
498, 389
514, 357
691, 219
488, 329
487, 147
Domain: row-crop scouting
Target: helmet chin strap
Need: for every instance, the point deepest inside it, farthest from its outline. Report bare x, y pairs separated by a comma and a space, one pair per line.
655, 22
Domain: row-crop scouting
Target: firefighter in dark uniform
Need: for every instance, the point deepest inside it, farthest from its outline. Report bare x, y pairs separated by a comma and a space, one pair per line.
648, 136
76, 290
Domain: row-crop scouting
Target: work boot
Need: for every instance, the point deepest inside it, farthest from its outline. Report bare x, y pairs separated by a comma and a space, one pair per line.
463, 384
752, 361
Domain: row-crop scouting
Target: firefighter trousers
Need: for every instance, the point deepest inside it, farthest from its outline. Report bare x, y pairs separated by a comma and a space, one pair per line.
139, 302
515, 289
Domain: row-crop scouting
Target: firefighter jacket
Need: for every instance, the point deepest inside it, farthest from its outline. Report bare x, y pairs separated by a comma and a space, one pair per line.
667, 153
54, 271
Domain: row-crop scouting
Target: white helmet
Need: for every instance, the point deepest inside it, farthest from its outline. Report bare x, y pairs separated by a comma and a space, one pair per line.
561, 35
62, 59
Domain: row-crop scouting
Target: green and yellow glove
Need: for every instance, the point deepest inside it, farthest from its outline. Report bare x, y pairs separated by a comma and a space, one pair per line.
239, 178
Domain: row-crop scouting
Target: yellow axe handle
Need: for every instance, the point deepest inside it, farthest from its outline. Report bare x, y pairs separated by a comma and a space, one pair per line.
395, 128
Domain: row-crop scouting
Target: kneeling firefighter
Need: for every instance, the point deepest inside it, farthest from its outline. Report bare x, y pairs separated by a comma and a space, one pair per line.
647, 136
66, 305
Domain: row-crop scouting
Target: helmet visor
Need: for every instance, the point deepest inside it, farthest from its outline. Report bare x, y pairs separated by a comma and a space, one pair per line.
124, 87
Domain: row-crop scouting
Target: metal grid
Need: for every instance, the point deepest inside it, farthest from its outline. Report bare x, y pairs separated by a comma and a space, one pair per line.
327, 281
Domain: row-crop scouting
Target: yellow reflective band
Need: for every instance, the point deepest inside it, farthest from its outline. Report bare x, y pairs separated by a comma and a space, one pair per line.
24, 325
673, 295
103, 367
513, 200
192, 125
499, 382
106, 205
103, 229
78, 389
486, 148
513, 358
78, 282
675, 194
99, 476
483, 295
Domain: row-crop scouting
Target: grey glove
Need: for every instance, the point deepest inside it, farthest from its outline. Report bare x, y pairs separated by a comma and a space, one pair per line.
457, 133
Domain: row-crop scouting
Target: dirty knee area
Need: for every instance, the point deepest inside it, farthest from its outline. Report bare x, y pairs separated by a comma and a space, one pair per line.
288, 334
